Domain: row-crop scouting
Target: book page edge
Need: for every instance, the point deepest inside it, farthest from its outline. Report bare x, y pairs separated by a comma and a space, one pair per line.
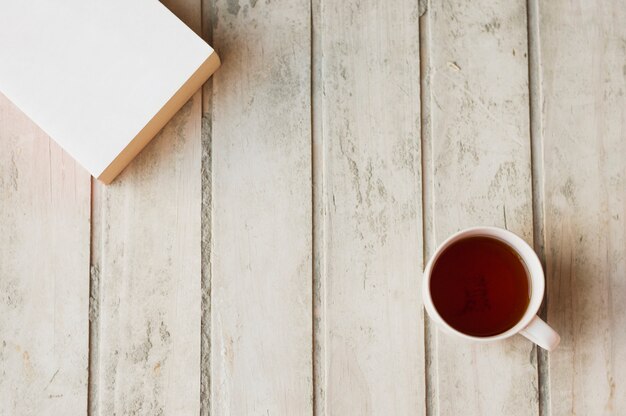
160, 119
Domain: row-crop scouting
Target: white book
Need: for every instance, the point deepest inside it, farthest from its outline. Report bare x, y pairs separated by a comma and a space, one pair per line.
101, 78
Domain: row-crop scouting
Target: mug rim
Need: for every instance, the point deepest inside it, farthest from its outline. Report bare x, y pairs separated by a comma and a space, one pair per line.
534, 270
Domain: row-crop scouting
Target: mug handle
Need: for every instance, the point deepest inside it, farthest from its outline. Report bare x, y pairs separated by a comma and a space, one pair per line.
541, 334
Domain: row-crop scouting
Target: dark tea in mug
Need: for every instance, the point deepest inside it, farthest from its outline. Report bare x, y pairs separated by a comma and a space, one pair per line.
480, 286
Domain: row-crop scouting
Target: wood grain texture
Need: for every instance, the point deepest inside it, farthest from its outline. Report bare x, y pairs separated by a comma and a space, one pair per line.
261, 280
368, 334
480, 162
583, 119
146, 262
44, 272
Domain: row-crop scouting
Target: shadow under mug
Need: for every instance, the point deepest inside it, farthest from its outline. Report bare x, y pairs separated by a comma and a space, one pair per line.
530, 325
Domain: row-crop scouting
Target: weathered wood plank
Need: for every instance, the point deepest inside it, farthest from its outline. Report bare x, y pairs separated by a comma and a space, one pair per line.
481, 176
583, 119
261, 218
147, 263
369, 346
44, 272
149, 273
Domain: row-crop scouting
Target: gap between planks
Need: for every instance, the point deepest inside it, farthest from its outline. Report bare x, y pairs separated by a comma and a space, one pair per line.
318, 223
537, 172
94, 302
428, 236
207, 13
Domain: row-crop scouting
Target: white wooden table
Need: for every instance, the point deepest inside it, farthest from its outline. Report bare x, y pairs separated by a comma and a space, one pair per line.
263, 256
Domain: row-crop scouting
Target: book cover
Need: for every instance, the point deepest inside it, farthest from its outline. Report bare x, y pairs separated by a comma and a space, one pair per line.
100, 78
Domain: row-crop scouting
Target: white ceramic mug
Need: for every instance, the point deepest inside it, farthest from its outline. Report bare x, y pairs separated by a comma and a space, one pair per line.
530, 325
